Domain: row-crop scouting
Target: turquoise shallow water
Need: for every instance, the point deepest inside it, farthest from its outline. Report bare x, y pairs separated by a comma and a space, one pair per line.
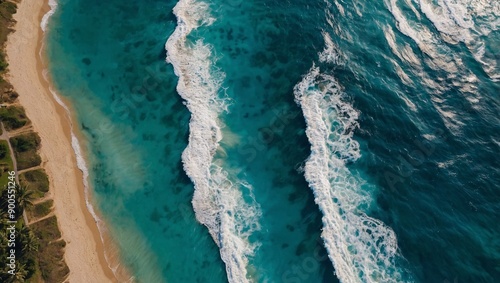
136, 128
269, 141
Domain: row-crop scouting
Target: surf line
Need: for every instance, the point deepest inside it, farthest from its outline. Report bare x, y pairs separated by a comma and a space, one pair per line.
361, 248
221, 201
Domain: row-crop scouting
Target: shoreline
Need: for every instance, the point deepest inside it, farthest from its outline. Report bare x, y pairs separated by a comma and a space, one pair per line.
85, 252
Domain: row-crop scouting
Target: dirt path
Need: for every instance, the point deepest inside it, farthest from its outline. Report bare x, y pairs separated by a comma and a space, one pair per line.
6, 137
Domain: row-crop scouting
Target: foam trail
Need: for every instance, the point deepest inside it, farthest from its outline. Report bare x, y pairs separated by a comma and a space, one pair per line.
81, 163
46, 17
75, 144
467, 21
454, 23
82, 166
457, 21
218, 199
361, 248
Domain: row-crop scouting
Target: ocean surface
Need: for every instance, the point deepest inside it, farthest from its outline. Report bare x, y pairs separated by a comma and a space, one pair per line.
289, 141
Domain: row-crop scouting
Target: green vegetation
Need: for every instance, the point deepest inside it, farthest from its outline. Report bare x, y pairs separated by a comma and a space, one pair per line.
25, 148
51, 250
4, 150
25, 242
43, 229
39, 249
7, 95
36, 180
40, 210
5, 163
24, 199
26, 142
13, 117
7, 9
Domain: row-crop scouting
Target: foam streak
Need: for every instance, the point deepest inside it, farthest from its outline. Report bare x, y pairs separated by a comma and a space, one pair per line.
361, 248
46, 17
218, 198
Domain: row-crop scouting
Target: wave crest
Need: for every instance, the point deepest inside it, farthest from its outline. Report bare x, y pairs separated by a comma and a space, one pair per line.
362, 249
222, 202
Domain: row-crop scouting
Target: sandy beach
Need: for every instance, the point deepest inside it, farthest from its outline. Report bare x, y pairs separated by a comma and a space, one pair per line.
84, 253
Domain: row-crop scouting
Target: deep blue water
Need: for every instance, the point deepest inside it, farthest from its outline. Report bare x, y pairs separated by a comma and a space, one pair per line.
297, 141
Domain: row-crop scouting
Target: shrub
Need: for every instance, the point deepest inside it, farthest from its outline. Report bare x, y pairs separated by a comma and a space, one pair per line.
13, 117
35, 180
40, 210
51, 250
26, 142
25, 149
4, 150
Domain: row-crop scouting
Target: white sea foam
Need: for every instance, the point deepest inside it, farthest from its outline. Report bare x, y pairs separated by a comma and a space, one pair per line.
328, 55
457, 21
46, 17
467, 21
218, 200
82, 166
361, 248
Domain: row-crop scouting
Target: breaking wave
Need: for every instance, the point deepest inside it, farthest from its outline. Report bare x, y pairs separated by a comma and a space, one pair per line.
224, 204
361, 248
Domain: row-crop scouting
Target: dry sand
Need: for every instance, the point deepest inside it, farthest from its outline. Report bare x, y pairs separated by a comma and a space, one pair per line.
84, 253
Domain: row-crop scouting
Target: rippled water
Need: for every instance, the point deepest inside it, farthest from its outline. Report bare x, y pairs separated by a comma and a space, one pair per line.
270, 141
